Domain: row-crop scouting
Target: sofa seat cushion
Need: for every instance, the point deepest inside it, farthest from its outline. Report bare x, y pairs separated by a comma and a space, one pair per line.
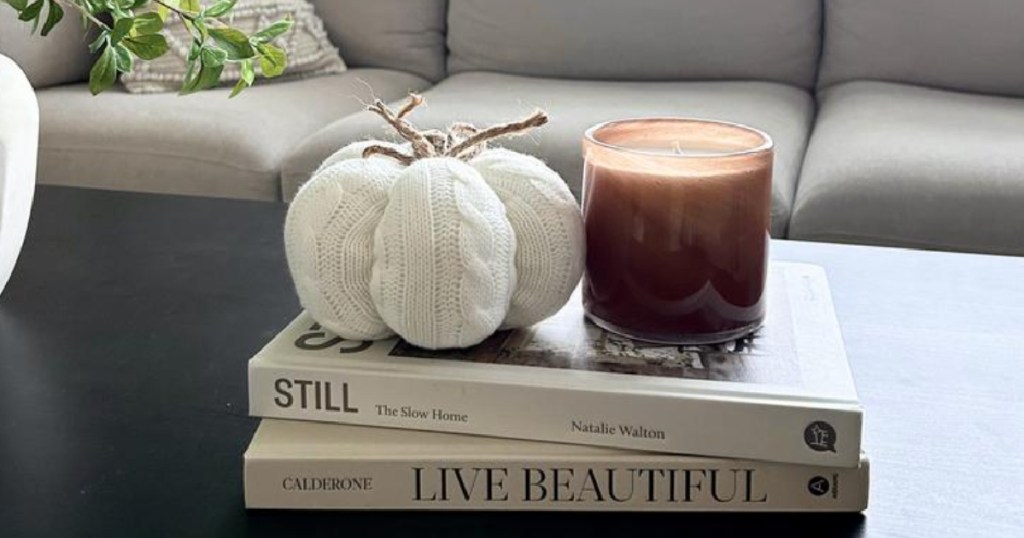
909, 166
201, 144
785, 112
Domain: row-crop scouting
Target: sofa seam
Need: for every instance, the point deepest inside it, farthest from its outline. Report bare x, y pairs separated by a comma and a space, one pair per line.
157, 154
895, 241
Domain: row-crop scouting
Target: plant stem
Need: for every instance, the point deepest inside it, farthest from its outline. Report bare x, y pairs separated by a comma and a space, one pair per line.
183, 14
85, 12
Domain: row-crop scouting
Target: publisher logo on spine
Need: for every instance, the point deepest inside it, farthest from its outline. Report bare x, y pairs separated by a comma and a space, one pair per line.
820, 436
818, 486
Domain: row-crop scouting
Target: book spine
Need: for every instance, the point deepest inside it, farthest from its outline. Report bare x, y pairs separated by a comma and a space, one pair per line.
812, 434
541, 484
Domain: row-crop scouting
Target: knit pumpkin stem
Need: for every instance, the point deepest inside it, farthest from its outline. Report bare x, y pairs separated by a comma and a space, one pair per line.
388, 152
535, 120
415, 100
460, 131
439, 140
421, 147
462, 141
462, 128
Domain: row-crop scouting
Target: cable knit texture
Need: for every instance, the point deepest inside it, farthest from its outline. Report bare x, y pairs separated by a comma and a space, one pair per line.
440, 239
548, 229
329, 242
355, 151
445, 256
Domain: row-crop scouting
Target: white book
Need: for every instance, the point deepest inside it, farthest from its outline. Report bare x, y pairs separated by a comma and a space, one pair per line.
784, 394
305, 465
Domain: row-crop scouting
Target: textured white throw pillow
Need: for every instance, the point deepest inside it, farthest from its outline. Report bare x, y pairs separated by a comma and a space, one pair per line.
310, 53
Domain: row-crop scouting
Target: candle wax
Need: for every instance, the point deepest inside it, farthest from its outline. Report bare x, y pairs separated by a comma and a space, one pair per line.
677, 251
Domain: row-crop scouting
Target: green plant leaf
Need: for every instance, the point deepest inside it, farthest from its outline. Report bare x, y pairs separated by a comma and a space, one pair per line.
18, 5
123, 58
240, 86
247, 72
194, 50
191, 76
234, 42
219, 9
31, 12
204, 31
147, 23
272, 60
118, 8
147, 47
273, 31
191, 6
213, 56
53, 16
104, 72
248, 75
121, 28
97, 6
207, 75
98, 42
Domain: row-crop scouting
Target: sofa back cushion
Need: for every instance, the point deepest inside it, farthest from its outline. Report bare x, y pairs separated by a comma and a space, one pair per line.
776, 40
966, 45
59, 58
407, 35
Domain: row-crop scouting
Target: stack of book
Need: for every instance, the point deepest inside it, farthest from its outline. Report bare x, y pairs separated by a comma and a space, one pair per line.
565, 416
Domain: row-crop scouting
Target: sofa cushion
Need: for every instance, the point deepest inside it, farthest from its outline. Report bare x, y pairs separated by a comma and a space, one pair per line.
59, 58
910, 166
783, 111
203, 144
975, 45
394, 34
639, 39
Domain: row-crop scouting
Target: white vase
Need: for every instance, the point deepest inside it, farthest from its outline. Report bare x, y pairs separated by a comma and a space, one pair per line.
19, 144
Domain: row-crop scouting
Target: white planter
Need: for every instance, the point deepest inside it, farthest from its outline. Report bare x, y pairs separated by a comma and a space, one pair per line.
19, 144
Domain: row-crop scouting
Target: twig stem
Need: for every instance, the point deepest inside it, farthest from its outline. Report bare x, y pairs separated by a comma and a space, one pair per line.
72, 4
462, 141
535, 120
181, 13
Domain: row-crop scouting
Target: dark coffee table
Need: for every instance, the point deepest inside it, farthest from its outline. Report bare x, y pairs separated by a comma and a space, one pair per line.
125, 331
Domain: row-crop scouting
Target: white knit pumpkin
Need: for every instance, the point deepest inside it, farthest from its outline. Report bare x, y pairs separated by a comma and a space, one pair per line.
442, 251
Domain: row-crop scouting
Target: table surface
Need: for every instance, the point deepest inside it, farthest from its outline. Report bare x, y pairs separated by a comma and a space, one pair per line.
125, 331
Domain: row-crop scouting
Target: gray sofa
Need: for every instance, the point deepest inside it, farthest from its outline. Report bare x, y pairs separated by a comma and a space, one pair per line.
895, 122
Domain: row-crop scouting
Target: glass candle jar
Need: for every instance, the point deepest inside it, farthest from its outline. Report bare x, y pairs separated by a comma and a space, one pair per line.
677, 214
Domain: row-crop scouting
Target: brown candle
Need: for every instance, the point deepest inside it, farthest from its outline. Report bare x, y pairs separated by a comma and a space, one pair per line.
677, 214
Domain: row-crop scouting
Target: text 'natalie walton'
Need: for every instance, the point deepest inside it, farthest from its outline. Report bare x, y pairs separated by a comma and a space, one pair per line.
622, 430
